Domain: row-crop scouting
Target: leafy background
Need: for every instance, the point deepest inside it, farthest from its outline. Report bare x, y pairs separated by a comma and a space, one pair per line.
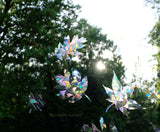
31, 29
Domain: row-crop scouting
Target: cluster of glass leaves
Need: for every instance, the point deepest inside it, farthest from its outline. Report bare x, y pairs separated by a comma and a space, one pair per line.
35, 102
120, 96
69, 48
71, 86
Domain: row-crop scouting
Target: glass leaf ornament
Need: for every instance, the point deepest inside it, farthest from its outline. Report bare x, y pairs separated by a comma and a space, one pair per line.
68, 48
113, 127
154, 96
119, 96
87, 128
156, 129
71, 86
102, 124
35, 103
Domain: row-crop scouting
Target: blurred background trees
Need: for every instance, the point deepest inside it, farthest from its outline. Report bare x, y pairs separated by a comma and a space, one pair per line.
154, 36
155, 4
31, 29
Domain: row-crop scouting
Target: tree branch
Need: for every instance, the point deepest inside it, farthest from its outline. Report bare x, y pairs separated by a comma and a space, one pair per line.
8, 5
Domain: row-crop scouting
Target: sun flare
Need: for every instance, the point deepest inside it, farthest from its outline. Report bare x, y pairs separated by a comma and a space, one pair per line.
100, 65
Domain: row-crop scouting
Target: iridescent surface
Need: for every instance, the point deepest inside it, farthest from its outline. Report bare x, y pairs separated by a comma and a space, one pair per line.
154, 96
102, 124
69, 49
35, 103
86, 128
154, 127
113, 128
119, 96
71, 87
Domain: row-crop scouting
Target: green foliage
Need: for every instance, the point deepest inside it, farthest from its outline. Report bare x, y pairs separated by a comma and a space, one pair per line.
155, 4
154, 35
155, 40
139, 119
31, 29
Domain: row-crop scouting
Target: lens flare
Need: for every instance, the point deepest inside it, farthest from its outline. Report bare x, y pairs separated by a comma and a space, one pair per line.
100, 65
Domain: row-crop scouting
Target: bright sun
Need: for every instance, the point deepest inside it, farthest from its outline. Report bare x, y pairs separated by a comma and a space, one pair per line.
100, 65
